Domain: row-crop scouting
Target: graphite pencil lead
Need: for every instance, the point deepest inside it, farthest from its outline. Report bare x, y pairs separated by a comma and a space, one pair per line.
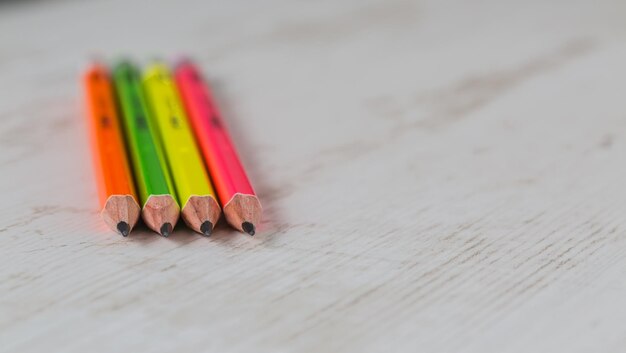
248, 228
206, 228
123, 228
166, 229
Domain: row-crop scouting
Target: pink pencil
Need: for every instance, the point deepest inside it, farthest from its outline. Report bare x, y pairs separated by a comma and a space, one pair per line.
240, 204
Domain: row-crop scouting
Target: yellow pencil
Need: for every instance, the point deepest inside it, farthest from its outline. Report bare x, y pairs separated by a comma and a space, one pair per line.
200, 209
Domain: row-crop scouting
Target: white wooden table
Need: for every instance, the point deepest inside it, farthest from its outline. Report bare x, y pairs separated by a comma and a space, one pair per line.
437, 176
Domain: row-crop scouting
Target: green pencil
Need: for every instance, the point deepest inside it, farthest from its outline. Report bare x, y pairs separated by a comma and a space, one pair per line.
160, 210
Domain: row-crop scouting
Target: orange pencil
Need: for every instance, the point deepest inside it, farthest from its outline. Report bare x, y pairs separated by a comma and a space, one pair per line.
120, 209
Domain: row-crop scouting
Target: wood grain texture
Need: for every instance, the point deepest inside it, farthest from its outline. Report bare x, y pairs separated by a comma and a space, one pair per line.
436, 176
159, 210
243, 208
200, 209
120, 208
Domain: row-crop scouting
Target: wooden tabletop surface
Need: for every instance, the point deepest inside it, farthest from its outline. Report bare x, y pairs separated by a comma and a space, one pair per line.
436, 176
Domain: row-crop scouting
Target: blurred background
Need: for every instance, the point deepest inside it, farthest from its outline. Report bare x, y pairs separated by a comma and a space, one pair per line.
437, 174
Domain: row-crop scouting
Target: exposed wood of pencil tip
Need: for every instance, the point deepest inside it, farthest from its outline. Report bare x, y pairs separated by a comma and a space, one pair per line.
158, 211
120, 208
242, 209
200, 209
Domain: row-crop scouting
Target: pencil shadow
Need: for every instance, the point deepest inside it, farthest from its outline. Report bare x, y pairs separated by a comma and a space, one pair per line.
142, 234
224, 234
183, 235
180, 235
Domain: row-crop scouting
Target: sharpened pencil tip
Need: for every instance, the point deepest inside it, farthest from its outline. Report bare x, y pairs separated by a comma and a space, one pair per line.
206, 228
123, 228
248, 228
166, 229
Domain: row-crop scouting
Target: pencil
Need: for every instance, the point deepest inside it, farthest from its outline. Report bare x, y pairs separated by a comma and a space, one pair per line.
241, 206
116, 192
160, 211
200, 209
